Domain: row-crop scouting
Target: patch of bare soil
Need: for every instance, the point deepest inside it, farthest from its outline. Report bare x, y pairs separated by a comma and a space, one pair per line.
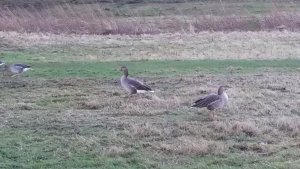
262, 115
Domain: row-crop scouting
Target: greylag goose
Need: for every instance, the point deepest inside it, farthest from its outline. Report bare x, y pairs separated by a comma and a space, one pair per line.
213, 101
16, 69
131, 85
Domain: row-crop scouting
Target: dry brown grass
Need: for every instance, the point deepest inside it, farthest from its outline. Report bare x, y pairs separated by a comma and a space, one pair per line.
256, 148
91, 104
144, 130
289, 125
117, 150
193, 146
245, 127
93, 19
205, 45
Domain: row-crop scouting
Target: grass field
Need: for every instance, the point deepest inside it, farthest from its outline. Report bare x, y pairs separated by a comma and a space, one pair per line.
70, 111
37, 47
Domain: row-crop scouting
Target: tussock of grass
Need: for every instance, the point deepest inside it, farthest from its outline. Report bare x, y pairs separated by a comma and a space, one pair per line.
245, 127
258, 148
145, 130
116, 150
192, 146
289, 125
90, 105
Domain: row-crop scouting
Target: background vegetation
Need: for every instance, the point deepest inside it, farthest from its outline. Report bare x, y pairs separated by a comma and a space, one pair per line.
150, 17
70, 111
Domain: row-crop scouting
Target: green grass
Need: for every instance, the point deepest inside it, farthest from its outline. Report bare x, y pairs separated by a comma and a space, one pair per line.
158, 68
47, 64
23, 148
27, 149
45, 134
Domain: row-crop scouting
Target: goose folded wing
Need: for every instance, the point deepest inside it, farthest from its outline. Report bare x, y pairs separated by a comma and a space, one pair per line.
21, 66
138, 85
215, 104
204, 102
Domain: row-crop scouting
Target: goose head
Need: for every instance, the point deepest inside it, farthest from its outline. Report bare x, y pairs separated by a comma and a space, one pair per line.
124, 69
222, 89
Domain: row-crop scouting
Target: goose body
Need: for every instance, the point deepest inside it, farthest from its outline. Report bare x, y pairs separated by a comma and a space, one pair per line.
132, 85
213, 101
16, 69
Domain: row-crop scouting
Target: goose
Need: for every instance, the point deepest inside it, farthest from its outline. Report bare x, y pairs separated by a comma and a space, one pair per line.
213, 101
132, 85
16, 69
1, 63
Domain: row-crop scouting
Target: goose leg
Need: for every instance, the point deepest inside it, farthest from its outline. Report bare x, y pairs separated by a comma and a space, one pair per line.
212, 115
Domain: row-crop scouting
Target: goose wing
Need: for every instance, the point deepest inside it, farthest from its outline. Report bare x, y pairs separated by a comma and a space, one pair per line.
215, 104
21, 66
138, 85
205, 101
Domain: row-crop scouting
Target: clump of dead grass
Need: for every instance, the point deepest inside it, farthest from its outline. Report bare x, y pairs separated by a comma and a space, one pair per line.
236, 128
220, 127
247, 128
289, 125
147, 105
167, 103
188, 128
144, 130
192, 146
89, 105
254, 147
117, 150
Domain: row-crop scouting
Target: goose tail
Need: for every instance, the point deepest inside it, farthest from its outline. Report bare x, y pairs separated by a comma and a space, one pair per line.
144, 91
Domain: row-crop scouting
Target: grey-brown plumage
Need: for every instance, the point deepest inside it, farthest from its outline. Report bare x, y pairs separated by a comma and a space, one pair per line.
132, 85
15, 69
213, 101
